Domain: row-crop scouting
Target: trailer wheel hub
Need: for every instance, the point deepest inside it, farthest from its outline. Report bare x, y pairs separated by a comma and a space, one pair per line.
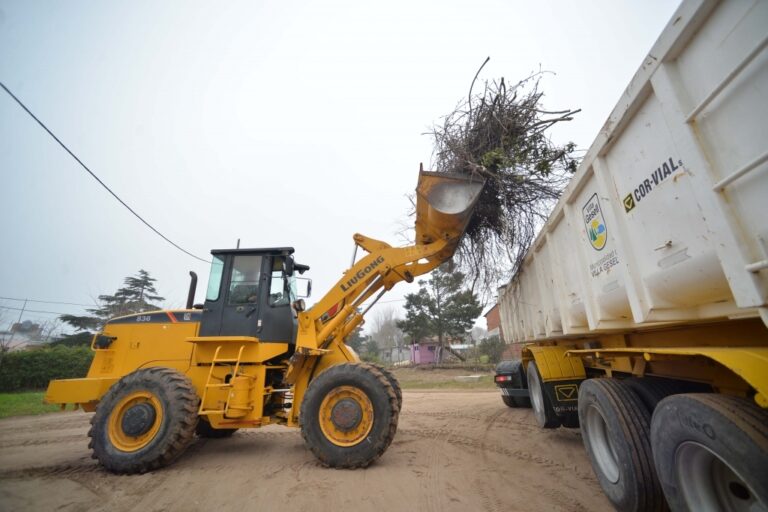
346, 414
138, 419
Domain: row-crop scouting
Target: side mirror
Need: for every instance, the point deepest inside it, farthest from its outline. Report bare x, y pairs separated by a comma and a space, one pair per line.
303, 287
288, 266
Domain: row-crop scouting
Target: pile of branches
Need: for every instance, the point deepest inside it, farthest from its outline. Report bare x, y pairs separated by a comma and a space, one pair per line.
501, 134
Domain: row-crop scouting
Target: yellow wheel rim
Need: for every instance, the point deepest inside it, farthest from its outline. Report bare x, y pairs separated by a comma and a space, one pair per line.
346, 416
126, 407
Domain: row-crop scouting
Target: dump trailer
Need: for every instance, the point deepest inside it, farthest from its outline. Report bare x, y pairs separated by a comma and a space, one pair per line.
254, 355
640, 310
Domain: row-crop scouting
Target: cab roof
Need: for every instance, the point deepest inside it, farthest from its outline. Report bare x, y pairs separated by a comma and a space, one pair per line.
266, 250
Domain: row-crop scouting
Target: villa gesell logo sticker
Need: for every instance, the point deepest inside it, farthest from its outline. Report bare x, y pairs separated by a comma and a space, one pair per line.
595, 223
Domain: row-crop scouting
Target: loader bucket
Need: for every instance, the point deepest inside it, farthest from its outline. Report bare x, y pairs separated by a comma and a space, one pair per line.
444, 205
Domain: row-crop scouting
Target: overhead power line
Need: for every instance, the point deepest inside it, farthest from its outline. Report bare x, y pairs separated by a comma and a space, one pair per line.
35, 311
150, 226
49, 302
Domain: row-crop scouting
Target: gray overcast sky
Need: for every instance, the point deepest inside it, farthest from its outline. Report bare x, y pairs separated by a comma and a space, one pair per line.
279, 123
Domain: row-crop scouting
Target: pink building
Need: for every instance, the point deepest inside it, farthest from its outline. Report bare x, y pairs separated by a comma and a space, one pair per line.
423, 353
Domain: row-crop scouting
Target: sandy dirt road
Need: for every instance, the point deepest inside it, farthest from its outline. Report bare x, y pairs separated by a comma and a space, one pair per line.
454, 450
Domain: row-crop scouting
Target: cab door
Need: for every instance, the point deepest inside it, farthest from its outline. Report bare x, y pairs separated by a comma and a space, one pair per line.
236, 291
244, 296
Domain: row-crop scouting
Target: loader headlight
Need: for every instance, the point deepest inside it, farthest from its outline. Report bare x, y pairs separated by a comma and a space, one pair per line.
299, 305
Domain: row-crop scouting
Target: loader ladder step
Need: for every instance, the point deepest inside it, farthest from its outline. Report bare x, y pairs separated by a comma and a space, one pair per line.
226, 385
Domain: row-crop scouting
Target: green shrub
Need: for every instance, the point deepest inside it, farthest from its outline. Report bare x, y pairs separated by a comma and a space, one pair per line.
32, 369
493, 348
80, 339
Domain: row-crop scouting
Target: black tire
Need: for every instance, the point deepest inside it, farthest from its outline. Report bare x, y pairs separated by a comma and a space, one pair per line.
615, 427
392, 382
711, 452
368, 383
145, 421
651, 390
204, 429
540, 402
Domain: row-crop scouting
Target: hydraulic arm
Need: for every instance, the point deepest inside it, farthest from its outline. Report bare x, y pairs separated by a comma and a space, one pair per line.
444, 205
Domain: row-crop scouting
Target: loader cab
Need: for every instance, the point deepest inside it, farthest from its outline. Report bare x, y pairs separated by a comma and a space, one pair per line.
250, 292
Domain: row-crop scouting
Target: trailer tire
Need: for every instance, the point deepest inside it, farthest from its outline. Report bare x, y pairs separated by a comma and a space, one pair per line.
144, 421
615, 427
711, 452
204, 429
651, 390
540, 402
349, 415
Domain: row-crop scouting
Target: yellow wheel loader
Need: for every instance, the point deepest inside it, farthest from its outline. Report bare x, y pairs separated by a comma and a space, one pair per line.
253, 354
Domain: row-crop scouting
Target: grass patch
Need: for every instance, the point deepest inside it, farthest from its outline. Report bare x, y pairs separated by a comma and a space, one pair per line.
24, 403
431, 377
484, 382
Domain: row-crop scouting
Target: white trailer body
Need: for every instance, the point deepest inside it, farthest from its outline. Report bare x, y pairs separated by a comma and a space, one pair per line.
666, 220
641, 309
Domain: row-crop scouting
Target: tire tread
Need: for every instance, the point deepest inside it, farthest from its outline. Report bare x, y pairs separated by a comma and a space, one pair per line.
184, 401
636, 422
313, 393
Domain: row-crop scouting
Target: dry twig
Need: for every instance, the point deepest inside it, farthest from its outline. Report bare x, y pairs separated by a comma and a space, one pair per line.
501, 134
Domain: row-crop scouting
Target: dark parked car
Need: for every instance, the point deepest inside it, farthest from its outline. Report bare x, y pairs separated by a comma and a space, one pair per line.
510, 378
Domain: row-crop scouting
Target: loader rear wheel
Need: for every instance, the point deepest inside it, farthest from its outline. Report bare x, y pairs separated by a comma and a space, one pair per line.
711, 452
145, 421
615, 427
349, 415
204, 429
540, 402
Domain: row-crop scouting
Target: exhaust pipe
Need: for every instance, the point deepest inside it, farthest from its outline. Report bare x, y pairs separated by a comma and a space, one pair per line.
192, 289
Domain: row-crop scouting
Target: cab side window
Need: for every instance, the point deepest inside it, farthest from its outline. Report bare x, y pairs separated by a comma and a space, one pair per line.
214, 280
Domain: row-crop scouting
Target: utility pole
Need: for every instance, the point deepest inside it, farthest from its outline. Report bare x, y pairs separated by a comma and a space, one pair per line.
5, 346
18, 322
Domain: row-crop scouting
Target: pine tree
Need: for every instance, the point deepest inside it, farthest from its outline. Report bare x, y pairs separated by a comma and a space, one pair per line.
136, 296
440, 308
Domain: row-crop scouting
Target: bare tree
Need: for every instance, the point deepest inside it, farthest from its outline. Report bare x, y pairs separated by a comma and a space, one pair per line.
7, 342
50, 330
385, 331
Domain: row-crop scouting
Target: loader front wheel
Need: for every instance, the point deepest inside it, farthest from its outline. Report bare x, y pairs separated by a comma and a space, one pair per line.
144, 421
349, 416
392, 382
